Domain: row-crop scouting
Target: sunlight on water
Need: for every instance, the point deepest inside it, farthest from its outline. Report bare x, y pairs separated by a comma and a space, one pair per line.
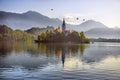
110, 63
74, 63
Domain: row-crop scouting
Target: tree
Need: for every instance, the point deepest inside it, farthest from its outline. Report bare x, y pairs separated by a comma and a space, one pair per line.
43, 36
74, 36
83, 38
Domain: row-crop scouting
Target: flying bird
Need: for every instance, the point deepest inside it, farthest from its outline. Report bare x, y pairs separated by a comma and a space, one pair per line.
83, 19
51, 9
77, 18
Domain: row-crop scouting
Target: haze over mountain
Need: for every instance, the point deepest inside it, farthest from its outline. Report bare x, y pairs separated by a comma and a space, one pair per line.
34, 19
87, 25
27, 20
37, 30
103, 33
31, 19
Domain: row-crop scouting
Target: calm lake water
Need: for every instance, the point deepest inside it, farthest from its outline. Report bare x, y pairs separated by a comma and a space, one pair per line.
30, 61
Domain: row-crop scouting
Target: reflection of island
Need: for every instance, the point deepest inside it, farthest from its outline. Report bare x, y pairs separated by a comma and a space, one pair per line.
40, 55
63, 51
36, 49
63, 56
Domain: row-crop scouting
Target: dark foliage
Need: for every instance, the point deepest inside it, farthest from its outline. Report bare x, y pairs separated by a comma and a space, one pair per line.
8, 34
73, 36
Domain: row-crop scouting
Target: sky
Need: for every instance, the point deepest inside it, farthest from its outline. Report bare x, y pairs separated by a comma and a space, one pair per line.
105, 11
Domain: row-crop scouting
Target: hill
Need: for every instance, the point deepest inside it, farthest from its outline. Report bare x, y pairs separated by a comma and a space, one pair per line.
27, 20
37, 30
35, 23
103, 33
34, 19
8, 34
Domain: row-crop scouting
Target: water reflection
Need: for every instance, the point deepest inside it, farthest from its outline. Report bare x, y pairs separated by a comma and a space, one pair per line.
27, 51
5, 48
27, 58
53, 53
61, 50
63, 55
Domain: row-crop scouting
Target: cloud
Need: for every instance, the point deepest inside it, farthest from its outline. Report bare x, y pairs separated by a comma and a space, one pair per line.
77, 18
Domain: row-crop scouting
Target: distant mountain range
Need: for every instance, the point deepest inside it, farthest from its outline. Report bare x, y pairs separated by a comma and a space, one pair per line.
27, 20
31, 19
34, 19
103, 33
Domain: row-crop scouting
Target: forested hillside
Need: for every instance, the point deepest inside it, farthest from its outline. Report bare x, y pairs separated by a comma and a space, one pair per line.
6, 33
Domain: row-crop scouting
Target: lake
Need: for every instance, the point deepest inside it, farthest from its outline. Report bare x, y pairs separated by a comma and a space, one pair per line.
32, 61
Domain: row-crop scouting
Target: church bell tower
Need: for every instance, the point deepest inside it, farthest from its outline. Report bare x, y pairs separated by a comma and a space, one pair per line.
63, 26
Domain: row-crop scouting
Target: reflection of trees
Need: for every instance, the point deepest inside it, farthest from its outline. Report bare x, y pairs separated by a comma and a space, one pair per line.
82, 48
74, 48
58, 52
35, 49
26, 46
61, 50
5, 48
58, 48
47, 49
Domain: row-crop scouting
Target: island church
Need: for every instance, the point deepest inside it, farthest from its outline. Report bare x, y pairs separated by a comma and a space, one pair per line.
58, 30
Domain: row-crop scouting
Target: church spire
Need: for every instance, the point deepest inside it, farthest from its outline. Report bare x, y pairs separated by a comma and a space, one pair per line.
63, 25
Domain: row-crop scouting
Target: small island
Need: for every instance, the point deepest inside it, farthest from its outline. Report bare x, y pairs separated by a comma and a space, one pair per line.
62, 36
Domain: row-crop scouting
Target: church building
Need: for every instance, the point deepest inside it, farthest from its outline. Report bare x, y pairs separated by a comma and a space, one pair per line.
58, 30
63, 26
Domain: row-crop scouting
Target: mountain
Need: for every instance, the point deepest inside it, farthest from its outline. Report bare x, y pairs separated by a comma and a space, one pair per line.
34, 19
37, 30
34, 22
91, 24
27, 20
87, 25
103, 33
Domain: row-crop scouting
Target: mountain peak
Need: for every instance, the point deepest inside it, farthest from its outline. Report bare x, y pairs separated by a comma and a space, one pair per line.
30, 12
91, 21
33, 18
94, 24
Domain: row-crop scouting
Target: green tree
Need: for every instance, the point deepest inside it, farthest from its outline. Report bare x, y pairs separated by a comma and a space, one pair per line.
43, 36
83, 38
